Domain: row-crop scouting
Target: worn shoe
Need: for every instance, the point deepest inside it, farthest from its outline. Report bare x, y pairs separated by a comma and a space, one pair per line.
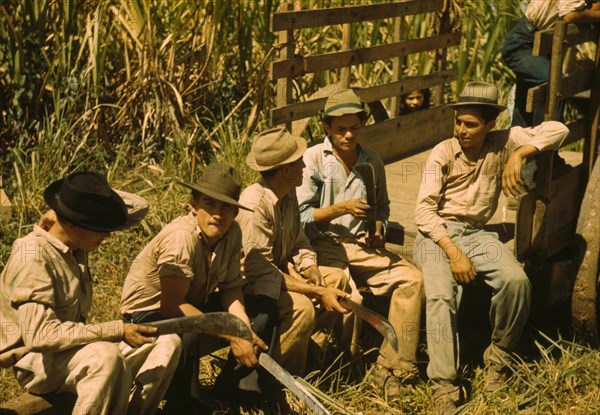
495, 378
444, 404
392, 382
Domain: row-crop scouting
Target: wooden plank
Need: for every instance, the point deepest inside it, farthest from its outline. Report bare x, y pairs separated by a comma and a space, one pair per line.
310, 108
523, 225
404, 135
302, 65
555, 77
563, 210
575, 35
346, 46
351, 14
576, 132
285, 85
590, 149
570, 86
51, 404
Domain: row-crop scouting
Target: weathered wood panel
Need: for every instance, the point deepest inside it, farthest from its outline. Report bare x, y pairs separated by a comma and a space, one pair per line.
351, 14
576, 34
310, 64
408, 134
306, 109
570, 86
27, 404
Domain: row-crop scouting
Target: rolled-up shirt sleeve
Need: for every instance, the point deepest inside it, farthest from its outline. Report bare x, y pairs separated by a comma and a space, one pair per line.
549, 135
309, 194
433, 179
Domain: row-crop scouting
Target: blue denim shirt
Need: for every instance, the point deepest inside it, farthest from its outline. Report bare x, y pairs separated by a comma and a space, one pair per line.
325, 183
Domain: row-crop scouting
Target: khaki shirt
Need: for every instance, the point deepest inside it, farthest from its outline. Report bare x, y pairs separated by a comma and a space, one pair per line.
543, 14
180, 250
272, 238
45, 297
453, 188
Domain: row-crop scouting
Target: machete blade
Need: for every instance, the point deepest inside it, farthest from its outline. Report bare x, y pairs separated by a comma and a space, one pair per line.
207, 323
368, 175
380, 323
292, 384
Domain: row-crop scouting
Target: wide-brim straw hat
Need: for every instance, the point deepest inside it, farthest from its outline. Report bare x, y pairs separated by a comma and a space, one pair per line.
219, 181
274, 148
480, 94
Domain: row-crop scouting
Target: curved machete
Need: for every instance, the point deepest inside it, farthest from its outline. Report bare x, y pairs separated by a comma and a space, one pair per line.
207, 323
380, 323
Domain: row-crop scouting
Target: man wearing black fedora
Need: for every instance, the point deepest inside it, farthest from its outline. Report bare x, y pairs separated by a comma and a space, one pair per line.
46, 295
278, 259
459, 193
193, 266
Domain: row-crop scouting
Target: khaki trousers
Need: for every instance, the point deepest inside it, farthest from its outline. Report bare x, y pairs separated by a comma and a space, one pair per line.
385, 274
108, 378
299, 317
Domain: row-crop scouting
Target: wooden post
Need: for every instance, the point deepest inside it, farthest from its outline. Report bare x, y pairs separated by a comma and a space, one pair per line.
285, 85
397, 65
590, 149
346, 72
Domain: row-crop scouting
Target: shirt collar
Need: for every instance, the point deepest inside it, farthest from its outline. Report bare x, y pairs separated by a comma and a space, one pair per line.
54, 241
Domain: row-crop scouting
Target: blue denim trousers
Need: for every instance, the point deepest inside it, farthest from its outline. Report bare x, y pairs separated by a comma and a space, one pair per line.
529, 71
497, 267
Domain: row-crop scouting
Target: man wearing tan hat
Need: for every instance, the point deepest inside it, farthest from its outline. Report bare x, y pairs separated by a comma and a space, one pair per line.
334, 210
459, 194
193, 266
278, 260
45, 298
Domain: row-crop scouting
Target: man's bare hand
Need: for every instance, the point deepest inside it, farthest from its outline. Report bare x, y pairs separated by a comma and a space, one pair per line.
377, 240
329, 299
314, 276
462, 268
358, 208
512, 185
47, 220
137, 335
244, 352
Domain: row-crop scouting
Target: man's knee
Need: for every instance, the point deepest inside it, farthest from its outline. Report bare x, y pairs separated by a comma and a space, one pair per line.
105, 357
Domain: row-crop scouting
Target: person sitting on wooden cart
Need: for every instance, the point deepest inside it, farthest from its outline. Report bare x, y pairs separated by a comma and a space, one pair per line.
193, 266
278, 260
46, 295
334, 211
459, 193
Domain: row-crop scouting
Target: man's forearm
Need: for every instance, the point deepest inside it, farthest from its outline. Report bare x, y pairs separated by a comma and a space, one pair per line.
325, 215
590, 15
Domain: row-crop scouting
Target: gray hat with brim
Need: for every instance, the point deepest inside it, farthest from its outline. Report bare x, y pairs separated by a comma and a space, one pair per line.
478, 94
275, 148
219, 181
342, 102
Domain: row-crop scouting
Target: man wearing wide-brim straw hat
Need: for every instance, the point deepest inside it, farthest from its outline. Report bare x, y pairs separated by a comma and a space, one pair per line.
334, 211
45, 298
278, 260
192, 266
459, 193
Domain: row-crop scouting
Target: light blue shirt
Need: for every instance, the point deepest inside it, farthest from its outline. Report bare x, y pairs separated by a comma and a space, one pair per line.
325, 183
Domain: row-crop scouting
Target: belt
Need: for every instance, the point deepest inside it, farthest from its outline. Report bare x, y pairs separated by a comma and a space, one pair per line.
529, 25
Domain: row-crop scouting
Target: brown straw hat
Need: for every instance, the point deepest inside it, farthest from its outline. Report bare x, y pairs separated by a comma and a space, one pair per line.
274, 148
478, 93
342, 102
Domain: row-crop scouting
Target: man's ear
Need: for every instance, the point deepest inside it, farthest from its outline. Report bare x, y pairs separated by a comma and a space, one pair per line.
236, 211
491, 125
193, 204
326, 127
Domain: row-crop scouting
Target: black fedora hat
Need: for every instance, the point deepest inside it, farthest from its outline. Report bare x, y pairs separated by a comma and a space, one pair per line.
219, 181
86, 200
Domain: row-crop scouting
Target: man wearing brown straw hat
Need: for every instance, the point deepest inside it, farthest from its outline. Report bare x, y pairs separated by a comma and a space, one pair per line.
45, 298
193, 266
278, 260
334, 211
459, 194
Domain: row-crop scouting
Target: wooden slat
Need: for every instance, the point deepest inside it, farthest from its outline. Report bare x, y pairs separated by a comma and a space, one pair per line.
576, 132
563, 209
340, 15
52, 404
318, 63
576, 34
405, 135
523, 225
310, 108
570, 86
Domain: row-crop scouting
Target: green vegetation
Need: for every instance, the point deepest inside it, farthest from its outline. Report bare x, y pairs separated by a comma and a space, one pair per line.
147, 91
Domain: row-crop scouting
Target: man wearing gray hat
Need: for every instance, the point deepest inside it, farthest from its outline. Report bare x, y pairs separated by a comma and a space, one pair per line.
278, 260
193, 266
334, 211
46, 295
459, 194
